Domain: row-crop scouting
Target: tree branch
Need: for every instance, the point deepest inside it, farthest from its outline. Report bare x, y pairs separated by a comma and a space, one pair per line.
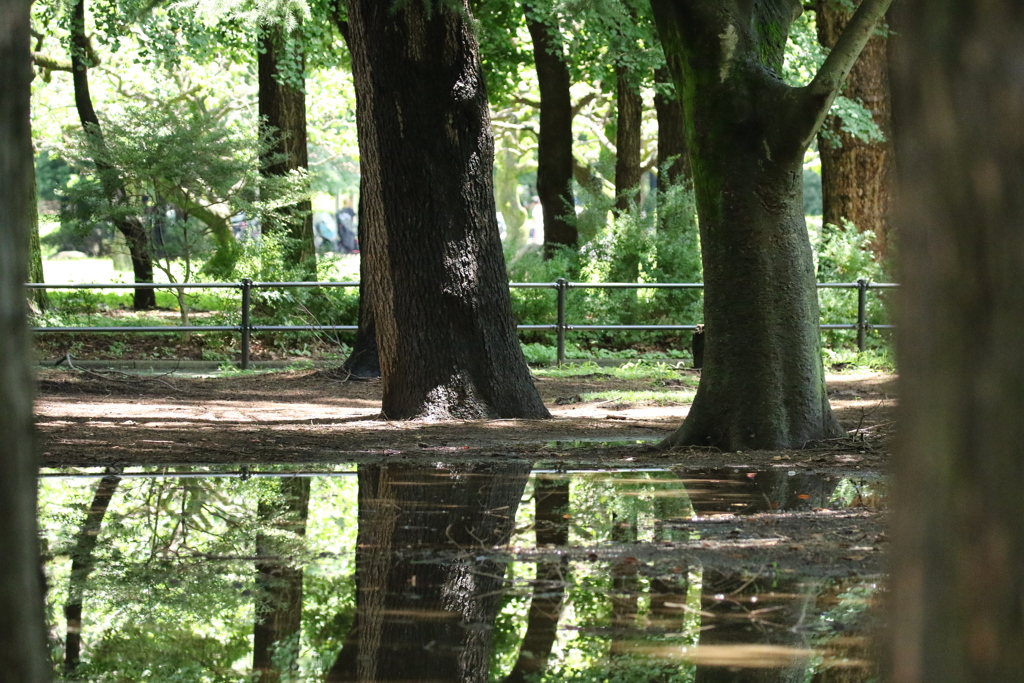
50, 63
819, 94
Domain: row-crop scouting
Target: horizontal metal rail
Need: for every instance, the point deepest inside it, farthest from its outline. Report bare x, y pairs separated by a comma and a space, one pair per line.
560, 327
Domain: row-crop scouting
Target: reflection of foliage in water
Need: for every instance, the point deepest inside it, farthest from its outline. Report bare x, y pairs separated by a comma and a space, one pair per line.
172, 595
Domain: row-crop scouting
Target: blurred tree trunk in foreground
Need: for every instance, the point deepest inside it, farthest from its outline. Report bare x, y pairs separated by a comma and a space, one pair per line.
22, 635
957, 611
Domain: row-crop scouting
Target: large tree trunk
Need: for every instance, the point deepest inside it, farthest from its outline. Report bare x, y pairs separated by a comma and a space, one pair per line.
958, 539
762, 384
113, 186
23, 655
554, 148
856, 176
435, 271
82, 564
279, 583
426, 606
282, 108
629, 118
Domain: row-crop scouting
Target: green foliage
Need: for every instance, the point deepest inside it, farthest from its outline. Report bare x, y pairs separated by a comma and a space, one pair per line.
52, 175
804, 55
184, 172
636, 246
843, 254
262, 261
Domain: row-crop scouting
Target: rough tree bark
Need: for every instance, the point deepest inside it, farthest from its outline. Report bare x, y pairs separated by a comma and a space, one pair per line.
278, 582
958, 537
113, 186
282, 109
425, 606
23, 656
434, 267
554, 148
629, 118
82, 564
856, 176
762, 384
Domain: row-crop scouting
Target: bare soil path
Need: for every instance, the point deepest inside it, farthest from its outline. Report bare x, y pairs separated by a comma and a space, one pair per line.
85, 419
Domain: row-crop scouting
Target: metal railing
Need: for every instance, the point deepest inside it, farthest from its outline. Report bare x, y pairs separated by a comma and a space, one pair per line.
561, 286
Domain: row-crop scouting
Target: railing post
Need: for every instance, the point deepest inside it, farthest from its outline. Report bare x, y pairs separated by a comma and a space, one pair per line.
246, 289
562, 285
862, 308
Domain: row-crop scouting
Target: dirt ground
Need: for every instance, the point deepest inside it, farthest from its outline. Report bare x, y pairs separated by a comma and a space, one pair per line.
87, 418
93, 419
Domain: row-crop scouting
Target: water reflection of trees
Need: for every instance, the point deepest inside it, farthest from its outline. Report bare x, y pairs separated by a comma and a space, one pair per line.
428, 587
189, 572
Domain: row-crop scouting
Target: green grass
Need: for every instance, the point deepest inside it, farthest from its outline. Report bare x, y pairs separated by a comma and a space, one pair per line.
633, 370
661, 398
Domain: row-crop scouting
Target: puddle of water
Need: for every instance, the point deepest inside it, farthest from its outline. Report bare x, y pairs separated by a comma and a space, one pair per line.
453, 573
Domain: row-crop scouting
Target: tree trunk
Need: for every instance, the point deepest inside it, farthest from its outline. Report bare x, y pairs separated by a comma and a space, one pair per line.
958, 539
762, 384
35, 262
627, 140
426, 606
551, 500
435, 271
364, 361
856, 176
279, 584
282, 110
82, 564
23, 655
673, 161
554, 148
113, 186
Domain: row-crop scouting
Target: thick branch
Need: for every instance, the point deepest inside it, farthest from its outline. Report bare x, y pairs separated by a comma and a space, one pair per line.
49, 63
822, 91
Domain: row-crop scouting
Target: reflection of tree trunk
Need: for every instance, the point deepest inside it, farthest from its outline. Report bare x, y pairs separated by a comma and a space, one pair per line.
427, 592
82, 564
849, 646
741, 491
552, 528
279, 585
737, 621
113, 186
23, 656
625, 587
